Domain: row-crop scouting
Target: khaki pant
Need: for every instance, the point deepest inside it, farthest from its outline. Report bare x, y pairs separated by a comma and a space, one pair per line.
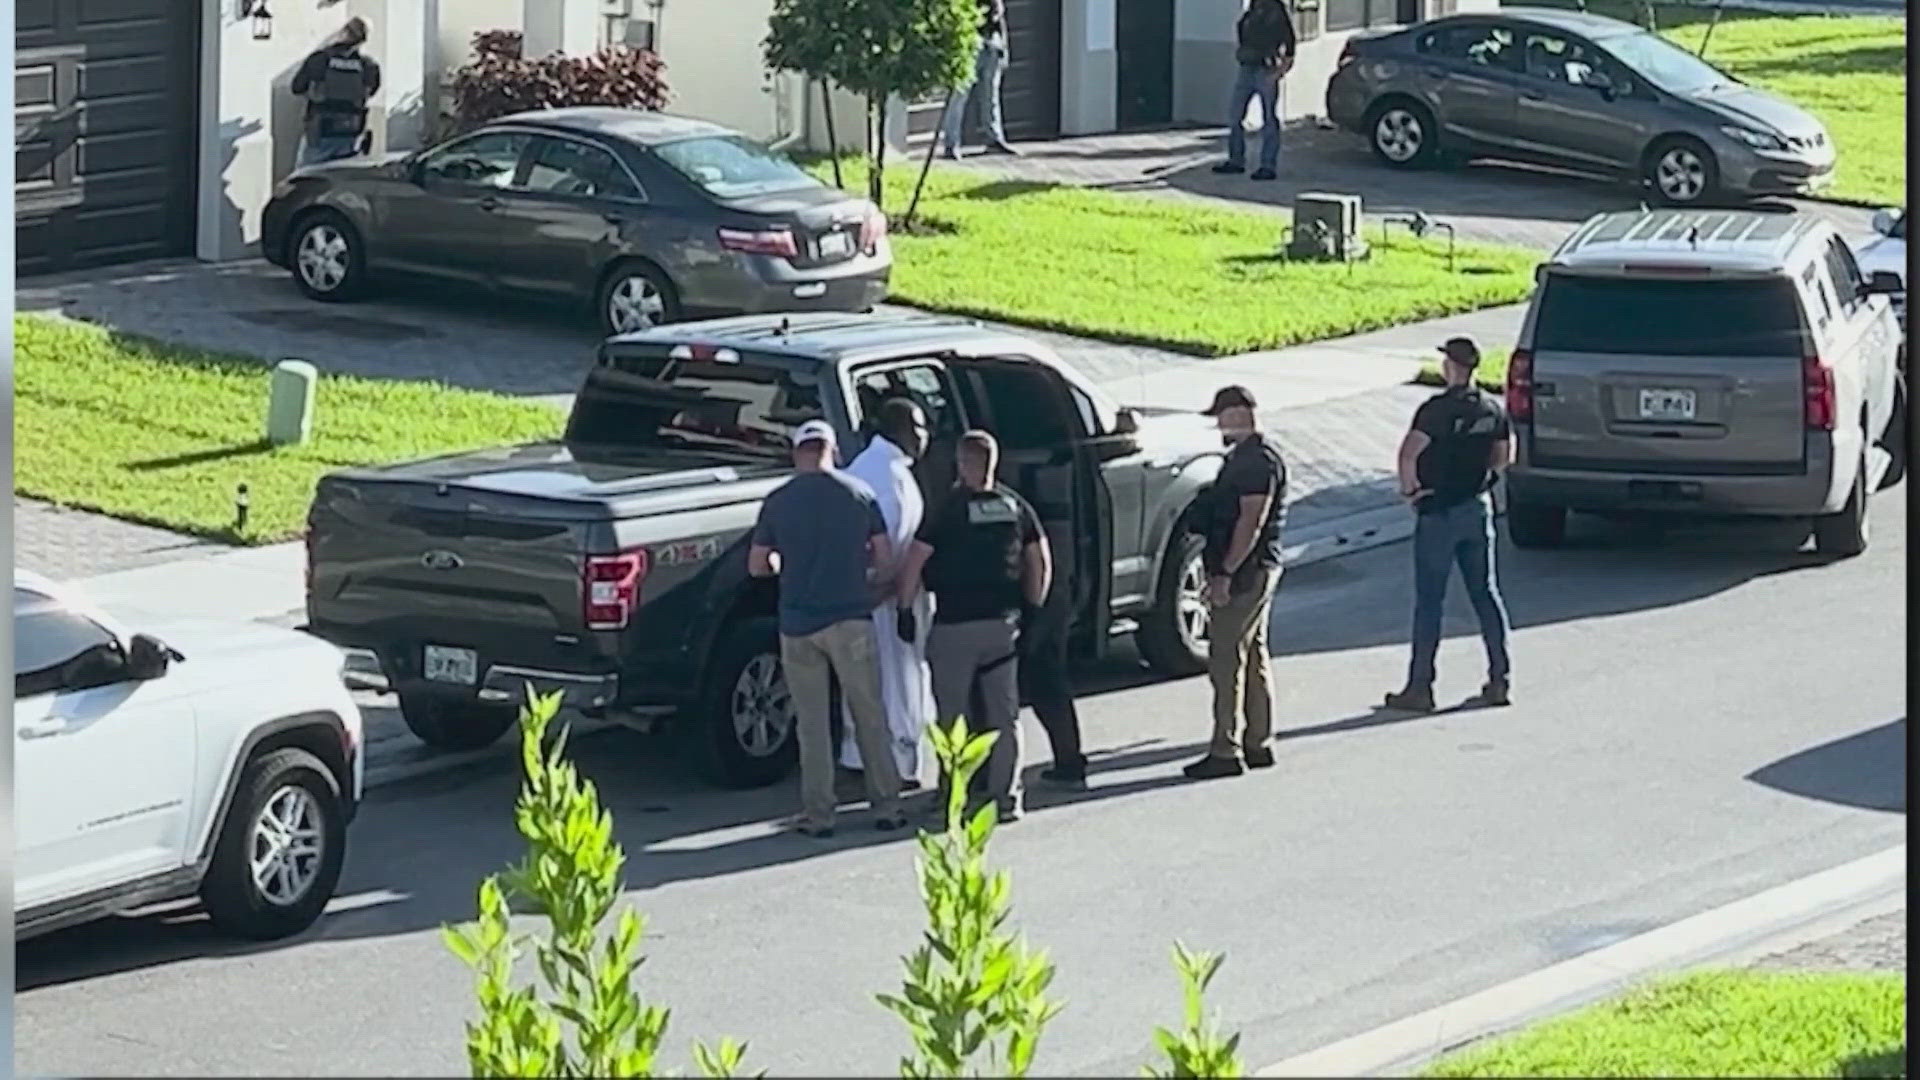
844, 649
1241, 671
961, 657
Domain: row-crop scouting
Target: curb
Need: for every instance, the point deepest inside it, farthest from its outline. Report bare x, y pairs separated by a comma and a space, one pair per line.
1767, 922
1348, 534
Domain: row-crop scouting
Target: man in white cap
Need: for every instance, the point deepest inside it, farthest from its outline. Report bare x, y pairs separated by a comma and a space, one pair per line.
825, 530
900, 640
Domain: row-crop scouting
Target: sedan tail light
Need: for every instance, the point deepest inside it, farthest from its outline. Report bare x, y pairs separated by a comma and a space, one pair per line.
760, 242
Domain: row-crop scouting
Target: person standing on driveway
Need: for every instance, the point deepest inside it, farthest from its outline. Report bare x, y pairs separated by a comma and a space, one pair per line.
982, 554
1046, 683
989, 65
337, 80
886, 466
822, 533
1265, 55
1242, 558
1458, 445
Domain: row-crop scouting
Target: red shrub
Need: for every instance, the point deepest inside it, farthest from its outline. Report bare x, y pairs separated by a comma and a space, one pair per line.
499, 81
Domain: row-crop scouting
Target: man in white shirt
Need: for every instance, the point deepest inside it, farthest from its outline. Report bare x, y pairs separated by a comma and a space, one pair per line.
886, 466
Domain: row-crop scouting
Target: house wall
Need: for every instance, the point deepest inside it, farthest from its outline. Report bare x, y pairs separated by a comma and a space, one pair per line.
714, 64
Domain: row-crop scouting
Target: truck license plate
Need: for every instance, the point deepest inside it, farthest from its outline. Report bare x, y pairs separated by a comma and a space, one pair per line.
1663, 404
450, 665
835, 245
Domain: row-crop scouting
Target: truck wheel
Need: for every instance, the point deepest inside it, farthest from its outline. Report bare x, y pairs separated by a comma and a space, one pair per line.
452, 724
1844, 535
280, 849
1535, 525
1173, 636
745, 734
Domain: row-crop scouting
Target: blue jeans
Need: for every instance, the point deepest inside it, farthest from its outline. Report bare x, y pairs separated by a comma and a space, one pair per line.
1460, 535
1262, 83
988, 67
317, 149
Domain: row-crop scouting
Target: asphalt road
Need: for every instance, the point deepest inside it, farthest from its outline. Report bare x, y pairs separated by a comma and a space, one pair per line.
1699, 717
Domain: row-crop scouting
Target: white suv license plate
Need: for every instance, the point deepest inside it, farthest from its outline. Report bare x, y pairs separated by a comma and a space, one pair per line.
835, 245
449, 665
1661, 404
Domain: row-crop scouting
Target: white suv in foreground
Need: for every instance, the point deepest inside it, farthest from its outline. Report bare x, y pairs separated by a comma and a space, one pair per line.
218, 760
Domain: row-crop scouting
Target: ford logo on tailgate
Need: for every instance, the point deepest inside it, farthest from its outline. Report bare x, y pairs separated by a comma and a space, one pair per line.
442, 560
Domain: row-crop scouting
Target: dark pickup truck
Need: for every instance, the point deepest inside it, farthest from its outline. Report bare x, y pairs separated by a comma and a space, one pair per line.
611, 564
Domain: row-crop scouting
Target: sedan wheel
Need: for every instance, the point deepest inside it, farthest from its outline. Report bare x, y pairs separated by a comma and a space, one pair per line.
635, 298
1682, 173
325, 262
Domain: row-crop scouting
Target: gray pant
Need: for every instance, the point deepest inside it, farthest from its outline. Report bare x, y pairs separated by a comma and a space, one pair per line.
844, 649
1460, 535
1241, 670
961, 656
988, 67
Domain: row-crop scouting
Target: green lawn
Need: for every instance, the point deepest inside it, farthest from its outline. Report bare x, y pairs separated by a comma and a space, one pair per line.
1175, 274
1729, 1023
163, 435
1849, 71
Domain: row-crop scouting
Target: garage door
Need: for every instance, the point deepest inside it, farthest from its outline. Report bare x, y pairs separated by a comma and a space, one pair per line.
104, 149
1030, 93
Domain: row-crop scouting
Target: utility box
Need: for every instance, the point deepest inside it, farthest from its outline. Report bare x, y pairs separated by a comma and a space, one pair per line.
1326, 228
290, 402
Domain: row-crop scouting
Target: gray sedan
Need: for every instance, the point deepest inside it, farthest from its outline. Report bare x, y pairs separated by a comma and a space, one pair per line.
647, 218
1572, 89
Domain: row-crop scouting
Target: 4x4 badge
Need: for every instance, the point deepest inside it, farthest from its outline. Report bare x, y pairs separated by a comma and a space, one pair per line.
441, 560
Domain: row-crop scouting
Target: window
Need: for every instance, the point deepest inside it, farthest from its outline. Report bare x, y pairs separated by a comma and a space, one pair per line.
1354, 14
1816, 290
566, 167
1558, 59
1845, 272
923, 384
47, 639
1480, 45
730, 166
489, 159
742, 409
1665, 64
1026, 408
1665, 317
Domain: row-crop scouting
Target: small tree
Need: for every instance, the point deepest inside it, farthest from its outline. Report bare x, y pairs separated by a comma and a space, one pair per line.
879, 50
1197, 1050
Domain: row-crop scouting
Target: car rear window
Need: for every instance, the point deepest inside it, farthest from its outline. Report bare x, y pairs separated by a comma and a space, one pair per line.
1665, 317
730, 166
743, 409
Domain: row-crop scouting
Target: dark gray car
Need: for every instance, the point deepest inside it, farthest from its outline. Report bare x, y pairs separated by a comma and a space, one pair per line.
1579, 90
644, 216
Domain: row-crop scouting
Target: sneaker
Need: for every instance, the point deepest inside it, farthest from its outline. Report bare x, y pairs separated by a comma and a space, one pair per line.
1411, 700
1060, 776
893, 822
813, 829
1263, 174
1213, 768
1006, 148
909, 785
951, 153
1228, 168
1259, 757
1494, 695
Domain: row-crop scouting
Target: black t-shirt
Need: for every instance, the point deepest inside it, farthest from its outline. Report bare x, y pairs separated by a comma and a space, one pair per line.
979, 540
1253, 467
1463, 424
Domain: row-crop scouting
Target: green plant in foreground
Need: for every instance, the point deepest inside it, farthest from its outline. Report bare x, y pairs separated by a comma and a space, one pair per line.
1198, 1049
971, 986
585, 1017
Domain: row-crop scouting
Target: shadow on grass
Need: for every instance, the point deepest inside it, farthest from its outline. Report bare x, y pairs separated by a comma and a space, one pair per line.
202, 457
1863, 60
1888, 1062
1003, 190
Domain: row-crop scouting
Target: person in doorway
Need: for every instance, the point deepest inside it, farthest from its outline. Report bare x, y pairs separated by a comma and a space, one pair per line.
982, 554
1460, 442
989, 65
1242, 558
822, 533
1265, 55
900, 642
337, 80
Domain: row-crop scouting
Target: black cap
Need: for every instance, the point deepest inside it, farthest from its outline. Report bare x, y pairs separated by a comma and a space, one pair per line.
1461, 351
1230, 397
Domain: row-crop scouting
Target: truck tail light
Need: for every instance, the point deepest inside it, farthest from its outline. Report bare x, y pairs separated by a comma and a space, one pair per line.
1816, 379
873, 229
1520, 385
610, 588
760, 242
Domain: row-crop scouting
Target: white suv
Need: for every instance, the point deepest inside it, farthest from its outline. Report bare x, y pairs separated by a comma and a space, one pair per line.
223, 761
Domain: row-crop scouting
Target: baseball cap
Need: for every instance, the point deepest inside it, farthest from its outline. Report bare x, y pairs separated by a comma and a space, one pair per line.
814, 431
1230, 397
1461, 351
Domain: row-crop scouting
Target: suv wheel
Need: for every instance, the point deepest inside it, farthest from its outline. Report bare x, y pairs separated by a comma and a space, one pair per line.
1681, 172
280, 848
636, 296
1173, 636
746, 732
1535, 525
1844, 535
455, 724
326, 257
1403, 134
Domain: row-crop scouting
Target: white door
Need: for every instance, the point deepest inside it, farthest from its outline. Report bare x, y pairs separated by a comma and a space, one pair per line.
103, 766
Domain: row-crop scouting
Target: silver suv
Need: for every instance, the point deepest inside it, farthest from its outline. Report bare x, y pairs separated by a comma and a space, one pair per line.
1708, 363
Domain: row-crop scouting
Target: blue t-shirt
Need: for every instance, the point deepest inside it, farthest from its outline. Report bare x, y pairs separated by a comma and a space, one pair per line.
821, 524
